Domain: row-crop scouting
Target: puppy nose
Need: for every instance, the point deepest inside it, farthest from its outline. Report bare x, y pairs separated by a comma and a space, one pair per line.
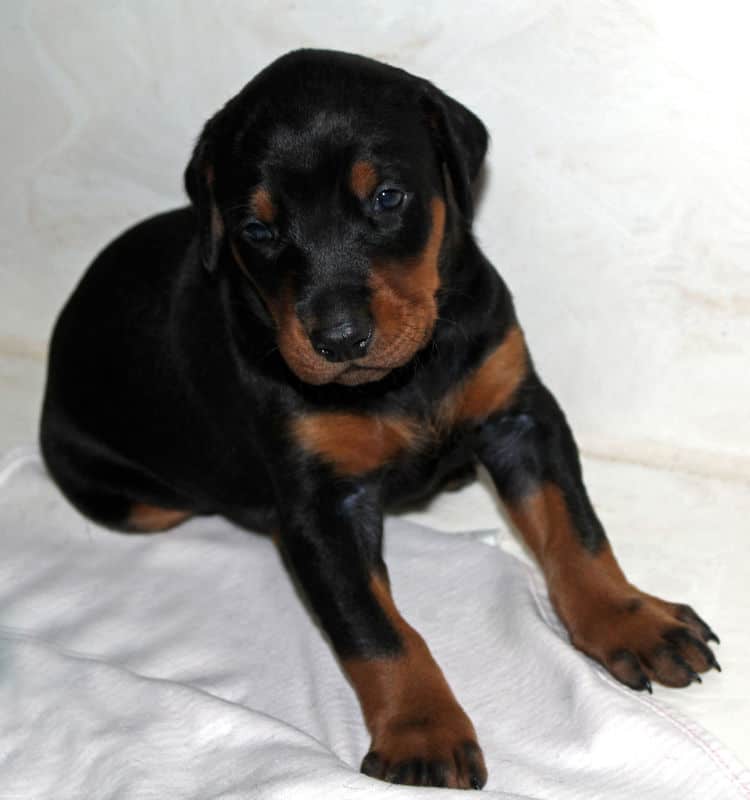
346, 340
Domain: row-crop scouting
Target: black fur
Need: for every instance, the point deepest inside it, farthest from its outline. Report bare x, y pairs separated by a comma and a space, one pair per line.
166, 385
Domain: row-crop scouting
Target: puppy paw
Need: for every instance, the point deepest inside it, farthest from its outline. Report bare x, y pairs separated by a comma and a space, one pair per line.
641, 639
424, 752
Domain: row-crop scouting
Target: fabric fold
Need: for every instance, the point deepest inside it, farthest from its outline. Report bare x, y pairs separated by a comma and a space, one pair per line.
183, 665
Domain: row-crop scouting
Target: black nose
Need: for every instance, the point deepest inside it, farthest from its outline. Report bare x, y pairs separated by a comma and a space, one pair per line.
344, 341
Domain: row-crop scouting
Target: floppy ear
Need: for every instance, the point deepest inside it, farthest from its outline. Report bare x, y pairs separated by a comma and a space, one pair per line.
199, 184
461, 139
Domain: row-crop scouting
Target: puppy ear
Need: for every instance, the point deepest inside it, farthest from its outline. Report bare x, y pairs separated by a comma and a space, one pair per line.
461, 139
199, 184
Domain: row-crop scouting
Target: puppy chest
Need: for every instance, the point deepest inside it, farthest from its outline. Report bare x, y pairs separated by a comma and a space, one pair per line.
358, 443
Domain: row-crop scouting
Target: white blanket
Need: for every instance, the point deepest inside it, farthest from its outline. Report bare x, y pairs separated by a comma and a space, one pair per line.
183, 665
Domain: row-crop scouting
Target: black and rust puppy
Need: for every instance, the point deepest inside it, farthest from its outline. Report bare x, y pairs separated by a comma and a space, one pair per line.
318, 338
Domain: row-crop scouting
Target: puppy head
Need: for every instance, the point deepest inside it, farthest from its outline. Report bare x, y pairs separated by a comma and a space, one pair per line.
323, 182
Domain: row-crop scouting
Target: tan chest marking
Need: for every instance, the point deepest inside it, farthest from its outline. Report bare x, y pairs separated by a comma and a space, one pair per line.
355, 443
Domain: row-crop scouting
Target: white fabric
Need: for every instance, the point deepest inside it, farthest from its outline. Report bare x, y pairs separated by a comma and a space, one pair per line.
183, 665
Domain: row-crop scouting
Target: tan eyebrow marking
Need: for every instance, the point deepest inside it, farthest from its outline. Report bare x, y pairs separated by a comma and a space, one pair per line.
262, 205
363, 179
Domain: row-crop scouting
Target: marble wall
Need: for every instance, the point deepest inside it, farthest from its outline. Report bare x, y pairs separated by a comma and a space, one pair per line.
616, 201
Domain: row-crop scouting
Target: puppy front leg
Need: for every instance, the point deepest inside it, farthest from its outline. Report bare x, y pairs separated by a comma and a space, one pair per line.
331, 538
533, 460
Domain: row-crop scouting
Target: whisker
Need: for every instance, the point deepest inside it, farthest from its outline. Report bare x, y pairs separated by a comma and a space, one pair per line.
270, 353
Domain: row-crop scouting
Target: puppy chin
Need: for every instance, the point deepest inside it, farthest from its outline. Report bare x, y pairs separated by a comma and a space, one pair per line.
345, 374
354, 375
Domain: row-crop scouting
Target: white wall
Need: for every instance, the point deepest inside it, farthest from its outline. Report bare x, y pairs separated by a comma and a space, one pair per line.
617, 201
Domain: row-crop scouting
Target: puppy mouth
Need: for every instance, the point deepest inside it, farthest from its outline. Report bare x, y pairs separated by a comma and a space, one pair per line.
384, 357
312, 369
354, 374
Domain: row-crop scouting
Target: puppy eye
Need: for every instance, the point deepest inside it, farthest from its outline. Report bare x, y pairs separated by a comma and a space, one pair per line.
256, 231
388, 199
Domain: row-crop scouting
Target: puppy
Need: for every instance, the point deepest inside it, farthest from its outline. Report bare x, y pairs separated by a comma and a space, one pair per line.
315, 339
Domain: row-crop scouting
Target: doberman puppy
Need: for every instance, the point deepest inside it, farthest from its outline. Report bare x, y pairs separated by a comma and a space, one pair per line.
315, 339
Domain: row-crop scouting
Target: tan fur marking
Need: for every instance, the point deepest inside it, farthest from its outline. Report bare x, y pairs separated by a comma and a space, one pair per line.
262, 205
495, 382
386, 686
294, 343
543, 519
581, 584
419, 275
146, 518
408, 706
605, 614
363, 179
403, 298
491, 387
355, 443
